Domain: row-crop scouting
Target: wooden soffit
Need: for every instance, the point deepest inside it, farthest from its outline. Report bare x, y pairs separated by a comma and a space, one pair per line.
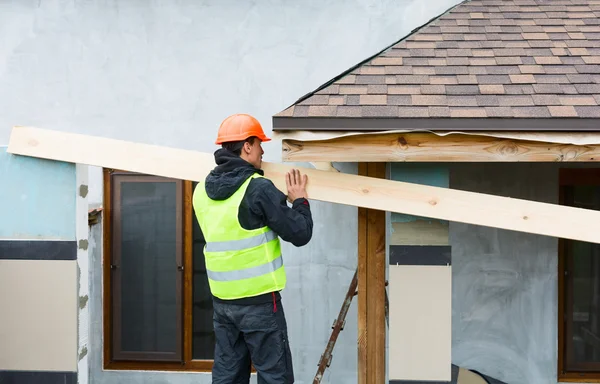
432, 146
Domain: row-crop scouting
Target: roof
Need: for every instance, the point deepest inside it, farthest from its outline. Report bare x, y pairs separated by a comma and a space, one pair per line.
478, 64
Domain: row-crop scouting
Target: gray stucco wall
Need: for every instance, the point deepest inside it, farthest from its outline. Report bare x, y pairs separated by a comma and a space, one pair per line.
168, 73
504, 310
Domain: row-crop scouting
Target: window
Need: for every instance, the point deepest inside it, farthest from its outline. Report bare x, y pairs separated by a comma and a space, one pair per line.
579, 284
157, 302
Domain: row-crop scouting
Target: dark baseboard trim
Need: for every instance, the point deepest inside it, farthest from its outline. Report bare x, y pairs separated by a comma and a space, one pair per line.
420, 255
453, 378
30, 377
418, 382
38, 250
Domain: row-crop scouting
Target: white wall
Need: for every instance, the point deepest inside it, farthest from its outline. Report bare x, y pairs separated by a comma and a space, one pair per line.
167, 73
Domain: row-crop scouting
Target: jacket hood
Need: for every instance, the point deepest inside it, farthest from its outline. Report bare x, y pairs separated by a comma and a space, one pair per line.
229, 174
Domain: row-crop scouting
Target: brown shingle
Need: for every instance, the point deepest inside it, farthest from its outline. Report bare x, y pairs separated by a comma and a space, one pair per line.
399, 100
337, 100
462, 101
562, 111
413, 112
320, 110
529, 112
372, 70
436, 89
370, 79
531, 69
429, 100
535, 36
349, 79
467, 112
522, 79
462, 89
379, 110
493, 79
301, 110
377, 89
547, 60
588, 112
509, 60
488, 100
577, 100
499, 111
373, 99
439, 111
466, 79
387, 61
353, 89
415, 79
348, 111
511, 100
423, 70
404, 89
546, 100
316, 100
491, 89
588, 88
446, 80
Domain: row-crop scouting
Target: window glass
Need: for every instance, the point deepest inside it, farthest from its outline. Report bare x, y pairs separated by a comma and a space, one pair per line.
147, 245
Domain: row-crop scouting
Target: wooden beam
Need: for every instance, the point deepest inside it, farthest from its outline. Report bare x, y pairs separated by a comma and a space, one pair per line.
429, 147
371, 287
355, 190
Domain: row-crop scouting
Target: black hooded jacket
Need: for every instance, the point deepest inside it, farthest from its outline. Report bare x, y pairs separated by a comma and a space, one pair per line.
262, 205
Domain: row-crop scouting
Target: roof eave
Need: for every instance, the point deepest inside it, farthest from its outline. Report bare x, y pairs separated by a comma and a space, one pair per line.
437, 124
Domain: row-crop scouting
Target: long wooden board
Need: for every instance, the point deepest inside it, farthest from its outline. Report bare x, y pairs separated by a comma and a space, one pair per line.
361, 191
429, 147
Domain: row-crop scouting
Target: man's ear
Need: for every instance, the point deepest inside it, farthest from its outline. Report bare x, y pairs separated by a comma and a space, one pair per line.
247, 147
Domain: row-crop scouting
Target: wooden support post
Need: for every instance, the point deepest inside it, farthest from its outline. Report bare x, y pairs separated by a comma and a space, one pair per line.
371, 287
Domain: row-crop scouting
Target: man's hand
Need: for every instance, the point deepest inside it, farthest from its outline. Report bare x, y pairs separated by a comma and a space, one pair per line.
296, 185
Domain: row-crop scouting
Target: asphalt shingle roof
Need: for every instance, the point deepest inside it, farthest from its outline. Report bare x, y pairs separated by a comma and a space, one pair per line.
482, 59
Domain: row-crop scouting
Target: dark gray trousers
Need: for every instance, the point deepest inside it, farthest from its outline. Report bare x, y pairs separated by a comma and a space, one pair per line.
251, 334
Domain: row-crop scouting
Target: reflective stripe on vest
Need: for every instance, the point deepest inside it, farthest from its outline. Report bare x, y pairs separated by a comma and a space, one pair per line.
247, 273
238, 245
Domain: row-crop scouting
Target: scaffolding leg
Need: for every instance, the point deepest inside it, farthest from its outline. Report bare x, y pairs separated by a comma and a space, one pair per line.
338, 326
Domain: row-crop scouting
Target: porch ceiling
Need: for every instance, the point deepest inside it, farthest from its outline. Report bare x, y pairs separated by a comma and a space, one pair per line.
485, 64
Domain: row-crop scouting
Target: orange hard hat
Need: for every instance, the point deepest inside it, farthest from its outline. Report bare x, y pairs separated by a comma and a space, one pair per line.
239, 127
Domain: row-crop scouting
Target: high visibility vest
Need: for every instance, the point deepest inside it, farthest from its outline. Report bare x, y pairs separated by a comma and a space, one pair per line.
239, 262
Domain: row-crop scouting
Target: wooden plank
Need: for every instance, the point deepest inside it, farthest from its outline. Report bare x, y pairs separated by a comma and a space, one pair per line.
371, 287
429, 147
361, 191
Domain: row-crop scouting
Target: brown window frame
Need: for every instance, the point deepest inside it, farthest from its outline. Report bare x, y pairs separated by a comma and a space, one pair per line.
570, 177
185, 362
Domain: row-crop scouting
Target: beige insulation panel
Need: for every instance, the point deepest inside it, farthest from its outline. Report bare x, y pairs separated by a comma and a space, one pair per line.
38, 315
420, 340
387, 195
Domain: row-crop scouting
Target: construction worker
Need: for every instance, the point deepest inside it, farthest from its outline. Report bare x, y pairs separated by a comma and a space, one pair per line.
242, 215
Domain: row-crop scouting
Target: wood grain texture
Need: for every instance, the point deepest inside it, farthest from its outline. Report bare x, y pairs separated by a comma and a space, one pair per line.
361, 191
371, 287
429, 147
362, 286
